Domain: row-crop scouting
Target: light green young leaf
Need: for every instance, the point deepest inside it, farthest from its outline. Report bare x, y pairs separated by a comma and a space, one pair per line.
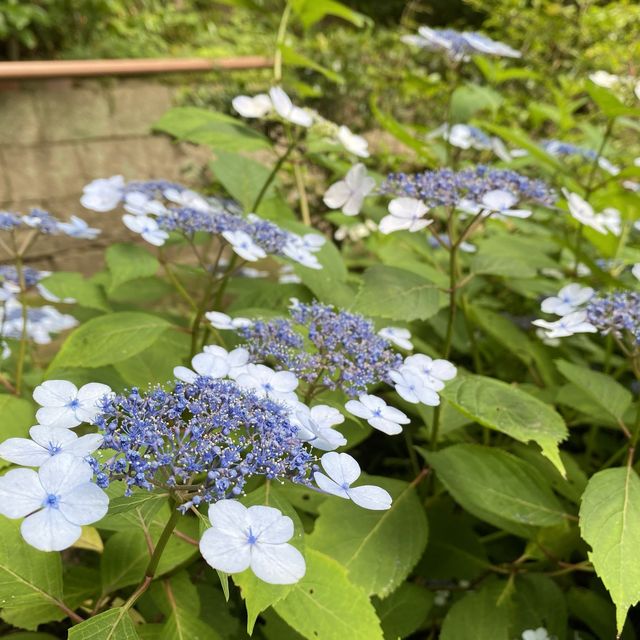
18, 415
325, 604
128, 262
67, 284
210, 128
109, 339
295, 59
373, 545
497, 487
497, 405
609, 103
312, 11
114, 624
602, 389
397, 294
610, 524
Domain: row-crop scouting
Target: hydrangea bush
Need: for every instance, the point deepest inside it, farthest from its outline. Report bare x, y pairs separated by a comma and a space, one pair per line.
416, 415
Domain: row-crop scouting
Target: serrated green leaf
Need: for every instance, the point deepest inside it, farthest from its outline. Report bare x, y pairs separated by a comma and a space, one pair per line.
497, 405
324, 604
109, 339
114, 624
497, 487
66, 284
207, 127
397, 294
373, 545
610, 524
128, 262
602, 389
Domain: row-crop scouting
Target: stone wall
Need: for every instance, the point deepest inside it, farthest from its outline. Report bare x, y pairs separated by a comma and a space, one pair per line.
56, 136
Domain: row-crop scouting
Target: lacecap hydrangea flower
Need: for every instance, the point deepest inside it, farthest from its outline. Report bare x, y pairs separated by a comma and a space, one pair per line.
156, 208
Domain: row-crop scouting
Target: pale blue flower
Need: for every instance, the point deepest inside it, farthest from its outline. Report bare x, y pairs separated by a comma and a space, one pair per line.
103, 194
378, 414
57, 501
78, 228
256, 537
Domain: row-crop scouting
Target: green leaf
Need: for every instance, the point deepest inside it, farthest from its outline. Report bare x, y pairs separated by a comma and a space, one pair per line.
65, 284
601, 389
126, 553
478, 616
242, 177
259, 595
609, 103
114, 624
401, 133
373, 545
538, 602
30, 581
404, 610
469, 99
109, 339
18, 415
396, 294
610, 524
497, 487
295, 59
497, 405
155, 365
312, 11
181, 601
210, 128
128, 262
324, 604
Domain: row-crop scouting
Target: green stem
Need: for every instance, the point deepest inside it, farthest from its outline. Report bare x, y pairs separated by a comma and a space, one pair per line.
22, 348
282, 32
302, 194
274, 172
150, 571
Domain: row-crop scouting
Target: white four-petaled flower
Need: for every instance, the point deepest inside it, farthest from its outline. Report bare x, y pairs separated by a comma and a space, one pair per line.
264, 381
349, 194
57, 501
411, 385
256, 537
433, 372
575, 322
341, 472
315, 426
103, 194
63, 405
47, 442
405, 214
400, 336
378, 414
147, 227
287, 110
568, 299
352, 142
78, 228
242, 243
256, 106
224, 322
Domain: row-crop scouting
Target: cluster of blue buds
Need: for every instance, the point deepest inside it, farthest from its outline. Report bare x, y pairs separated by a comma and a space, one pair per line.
205, 439
47, 224
446, 187
617, 313
325, 347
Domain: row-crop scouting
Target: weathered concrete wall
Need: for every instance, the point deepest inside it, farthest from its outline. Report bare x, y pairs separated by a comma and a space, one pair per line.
56, 136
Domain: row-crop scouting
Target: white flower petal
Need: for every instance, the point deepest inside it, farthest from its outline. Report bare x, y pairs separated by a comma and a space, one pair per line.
277, 564
49, 530
341, 467
20, 493
64, 472
84, 504
329, 486
55, 393
386, 426
224, 552
24, 452
185, 374
229, 517
269, 525
370, 497
337, 195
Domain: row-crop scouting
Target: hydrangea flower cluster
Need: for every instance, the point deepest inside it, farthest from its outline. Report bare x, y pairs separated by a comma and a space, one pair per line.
202, 439
47, 224
211, 433
559, 148
41, 322
616, 313
459, 45
156, 208
445, 187
347, 353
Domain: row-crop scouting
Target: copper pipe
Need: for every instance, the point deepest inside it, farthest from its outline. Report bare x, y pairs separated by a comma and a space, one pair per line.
124, 67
